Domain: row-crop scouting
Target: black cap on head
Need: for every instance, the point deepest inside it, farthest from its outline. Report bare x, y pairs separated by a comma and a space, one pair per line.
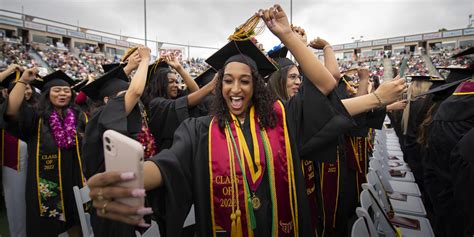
441, 91
108, 67
457, 73
424, 78
78, 86
57, 78
465, 52
156, 66
245, 51
279, 51
108, 84
10, 79
205, 77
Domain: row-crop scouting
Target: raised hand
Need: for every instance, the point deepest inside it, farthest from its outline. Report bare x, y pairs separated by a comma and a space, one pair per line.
318, 43
134, 60
399, 105
144, 52
276, 20
14, 67
29, 75
391, 90
301, 33
363, 73
173, 61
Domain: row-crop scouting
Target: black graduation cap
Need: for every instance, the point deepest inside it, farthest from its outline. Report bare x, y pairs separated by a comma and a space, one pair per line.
246, 47
57, 78
442, 88
279, 51
465, 52
108, 67
205, 77
457, 73
109, 83
158, 64
78, 86
10, 79
424, 78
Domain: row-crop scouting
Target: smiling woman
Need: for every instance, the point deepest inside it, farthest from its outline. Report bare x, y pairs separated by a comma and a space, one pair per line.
249, 141
52, 134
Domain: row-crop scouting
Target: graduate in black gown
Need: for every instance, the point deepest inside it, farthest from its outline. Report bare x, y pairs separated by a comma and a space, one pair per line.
185, 166
167, 105
201, 166
462, 171
451, 122
53, 150
121, 112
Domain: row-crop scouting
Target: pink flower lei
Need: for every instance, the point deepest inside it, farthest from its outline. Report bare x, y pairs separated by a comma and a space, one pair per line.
64, 132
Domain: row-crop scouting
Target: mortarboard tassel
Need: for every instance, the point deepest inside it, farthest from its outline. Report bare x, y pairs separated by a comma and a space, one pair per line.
247, 30
129, 52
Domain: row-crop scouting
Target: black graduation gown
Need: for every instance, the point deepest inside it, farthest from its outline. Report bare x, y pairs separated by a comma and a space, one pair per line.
110, 116
462, 171
453, 119
165, 117
412, 151
26, 129
185, 169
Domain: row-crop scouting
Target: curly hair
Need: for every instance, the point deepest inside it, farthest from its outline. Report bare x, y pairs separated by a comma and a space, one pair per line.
262, 99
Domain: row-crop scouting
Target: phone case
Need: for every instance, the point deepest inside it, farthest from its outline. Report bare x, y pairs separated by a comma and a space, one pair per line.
124, 154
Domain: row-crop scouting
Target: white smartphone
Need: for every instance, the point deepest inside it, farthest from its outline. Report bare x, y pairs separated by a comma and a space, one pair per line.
124, 154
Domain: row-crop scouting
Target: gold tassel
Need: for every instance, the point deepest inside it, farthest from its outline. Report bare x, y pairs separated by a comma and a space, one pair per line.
233, 228
239, 224
247, 30
129, 52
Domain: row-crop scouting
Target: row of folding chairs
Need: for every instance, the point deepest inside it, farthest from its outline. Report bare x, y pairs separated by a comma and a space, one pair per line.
390, 203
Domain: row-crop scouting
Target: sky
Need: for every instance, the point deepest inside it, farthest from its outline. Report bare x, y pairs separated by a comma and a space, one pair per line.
210, 22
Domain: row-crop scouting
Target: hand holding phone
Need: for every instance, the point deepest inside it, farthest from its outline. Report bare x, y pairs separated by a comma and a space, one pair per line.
123, 154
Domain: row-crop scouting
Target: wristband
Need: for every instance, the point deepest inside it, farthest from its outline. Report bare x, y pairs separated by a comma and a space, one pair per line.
378, 98
22, 82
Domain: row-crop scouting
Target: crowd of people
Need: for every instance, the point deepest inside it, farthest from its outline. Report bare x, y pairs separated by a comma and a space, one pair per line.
261, 145
15, 53
443, 58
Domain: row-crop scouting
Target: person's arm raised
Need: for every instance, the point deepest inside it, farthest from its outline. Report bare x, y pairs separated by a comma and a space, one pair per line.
15, 99
387, 93
133, 63
10, 69
363, 88
277, 21
330, 61
137, 85
196, 97
173, 61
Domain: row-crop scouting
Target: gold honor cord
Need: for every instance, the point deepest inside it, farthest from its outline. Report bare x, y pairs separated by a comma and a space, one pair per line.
248, 30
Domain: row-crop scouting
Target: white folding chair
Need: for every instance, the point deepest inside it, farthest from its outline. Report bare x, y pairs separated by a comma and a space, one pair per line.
379, 217
152, 231
370, 226
376, 165
359, 228
412, 206
82, 196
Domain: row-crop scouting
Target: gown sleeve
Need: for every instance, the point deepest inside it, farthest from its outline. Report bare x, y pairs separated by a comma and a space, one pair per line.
165, 117
174, 199
25, 127
318, 121
462, 171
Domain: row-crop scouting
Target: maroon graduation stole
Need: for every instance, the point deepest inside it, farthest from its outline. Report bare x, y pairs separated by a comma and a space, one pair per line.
233, 179
48, 174
309, 179
356, 153
10, 151
329, 178
465, 88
